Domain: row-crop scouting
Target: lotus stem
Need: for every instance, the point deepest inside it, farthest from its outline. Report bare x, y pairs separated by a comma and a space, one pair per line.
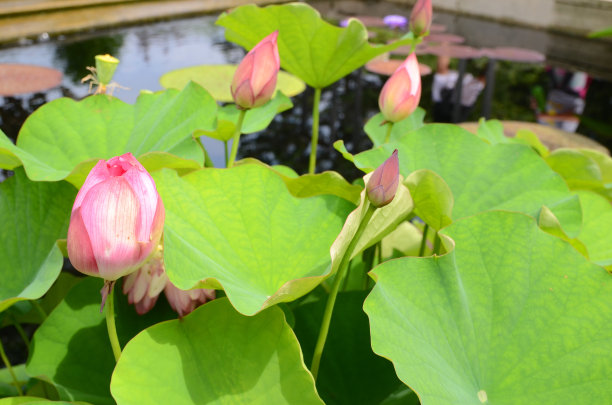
10, 369
236, 138
331, 300
110, 323
423, 241
389, 128
315, 131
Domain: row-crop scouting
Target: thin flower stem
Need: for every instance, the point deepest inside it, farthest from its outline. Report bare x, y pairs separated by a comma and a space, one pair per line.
225, 152
40, 309
236, 138
389, 128
423, 241
10, 369
314, 140
110, 323
331, 300
20, 330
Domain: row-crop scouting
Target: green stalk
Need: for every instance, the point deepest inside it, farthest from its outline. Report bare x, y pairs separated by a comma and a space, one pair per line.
225, 152
10, 369
315, 131
331, 300
236, 138
110, 323
389, 128
423, 241
20, 330
40, 309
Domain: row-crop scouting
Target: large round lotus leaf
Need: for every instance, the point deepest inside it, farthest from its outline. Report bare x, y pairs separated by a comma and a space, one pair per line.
71, 348
596, 232
34, 216
512, 315
64, 138
215, 356
242, 230
216, 79
312, 49
481, 176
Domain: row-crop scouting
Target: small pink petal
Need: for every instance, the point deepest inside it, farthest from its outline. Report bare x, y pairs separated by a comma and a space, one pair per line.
79, 246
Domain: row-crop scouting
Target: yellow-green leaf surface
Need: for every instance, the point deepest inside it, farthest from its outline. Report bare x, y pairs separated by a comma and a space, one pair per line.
34, 216
511, 315
242, 230
216, 79
596, 232
64, 138
215, 356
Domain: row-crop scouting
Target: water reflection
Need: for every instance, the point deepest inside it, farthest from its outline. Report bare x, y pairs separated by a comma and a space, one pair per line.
73, 57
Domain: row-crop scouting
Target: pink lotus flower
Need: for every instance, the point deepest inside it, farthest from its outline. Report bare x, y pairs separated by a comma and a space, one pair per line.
420, 18
383, 183
144, 286
255, 78
117, 219
401, 94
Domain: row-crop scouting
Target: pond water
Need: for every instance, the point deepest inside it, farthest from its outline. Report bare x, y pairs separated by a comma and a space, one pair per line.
148, 51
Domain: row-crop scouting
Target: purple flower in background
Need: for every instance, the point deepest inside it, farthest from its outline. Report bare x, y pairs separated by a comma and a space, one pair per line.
344, 23
395, 21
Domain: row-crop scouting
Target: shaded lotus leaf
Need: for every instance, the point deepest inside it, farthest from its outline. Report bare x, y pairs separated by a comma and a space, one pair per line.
596, 226
314, 50
7, 389
255, 119
377, 131
242, 230
350, 373
36, 401
215, 355
34, 216
65, 138
480, 176
71, 348
216, 80
511, 315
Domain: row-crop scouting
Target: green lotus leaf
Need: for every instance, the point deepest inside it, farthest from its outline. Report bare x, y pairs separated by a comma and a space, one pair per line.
481, 176
309, 185
215, 356
310, 48
433, 199
7, 389
71, 348
64, 138
255, 119
350, 373
34, 216
510, 316
216, 79
241, 229
596, 226
583, 169
36, 401
377, 131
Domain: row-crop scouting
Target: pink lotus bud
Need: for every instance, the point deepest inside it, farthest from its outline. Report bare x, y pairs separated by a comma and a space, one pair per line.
255, 78
144, 286
420, 18
401, 94
382, 186
117, 219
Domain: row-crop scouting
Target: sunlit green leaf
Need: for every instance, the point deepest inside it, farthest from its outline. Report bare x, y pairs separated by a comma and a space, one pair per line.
312, 49
215, 356
64, 138
241, 229
377, 131
510, 316
433, 199
33, 217
596, 226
